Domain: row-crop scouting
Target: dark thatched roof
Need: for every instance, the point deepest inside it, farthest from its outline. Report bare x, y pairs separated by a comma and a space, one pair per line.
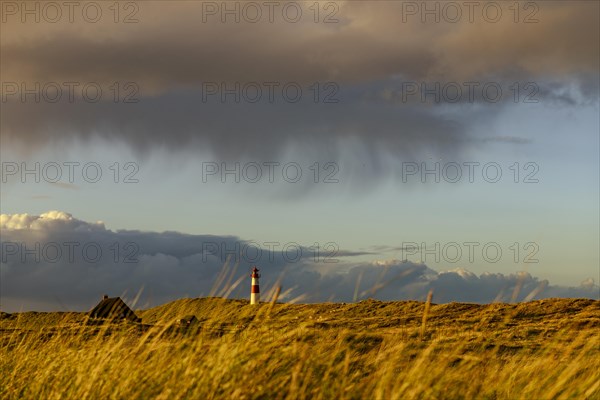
113, 308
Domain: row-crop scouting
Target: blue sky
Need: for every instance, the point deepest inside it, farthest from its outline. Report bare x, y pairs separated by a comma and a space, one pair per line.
369, 135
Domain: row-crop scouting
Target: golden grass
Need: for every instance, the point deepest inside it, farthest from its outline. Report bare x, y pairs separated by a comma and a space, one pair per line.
368, 350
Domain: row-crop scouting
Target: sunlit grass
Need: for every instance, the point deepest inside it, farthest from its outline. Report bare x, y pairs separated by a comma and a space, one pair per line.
370, 349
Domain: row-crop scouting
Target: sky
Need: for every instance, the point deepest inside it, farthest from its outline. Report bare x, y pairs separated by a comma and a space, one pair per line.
361, 149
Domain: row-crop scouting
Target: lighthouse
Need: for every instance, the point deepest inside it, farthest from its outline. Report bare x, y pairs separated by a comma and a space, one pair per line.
255, 292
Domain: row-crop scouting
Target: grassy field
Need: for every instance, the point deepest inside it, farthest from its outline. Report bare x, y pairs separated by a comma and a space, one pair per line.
546, 349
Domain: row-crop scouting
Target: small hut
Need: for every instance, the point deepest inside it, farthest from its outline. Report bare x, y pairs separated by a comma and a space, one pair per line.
114, 309
188, 321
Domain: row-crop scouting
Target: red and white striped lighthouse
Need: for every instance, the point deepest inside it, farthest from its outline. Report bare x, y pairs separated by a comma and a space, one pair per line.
255, 292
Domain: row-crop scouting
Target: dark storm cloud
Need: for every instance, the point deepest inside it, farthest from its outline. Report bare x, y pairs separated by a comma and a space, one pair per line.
170, 52
171, 46
231, 130
170, 265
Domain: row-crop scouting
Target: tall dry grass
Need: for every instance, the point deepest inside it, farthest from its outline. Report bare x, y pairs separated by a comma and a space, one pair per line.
366, 350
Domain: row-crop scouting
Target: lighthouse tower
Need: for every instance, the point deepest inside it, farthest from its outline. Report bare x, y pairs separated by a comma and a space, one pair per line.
255, 292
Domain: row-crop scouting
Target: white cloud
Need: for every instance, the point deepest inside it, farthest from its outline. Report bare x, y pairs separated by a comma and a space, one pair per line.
48, 221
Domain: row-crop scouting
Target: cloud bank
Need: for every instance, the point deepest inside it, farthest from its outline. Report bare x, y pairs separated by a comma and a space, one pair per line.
76, 262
